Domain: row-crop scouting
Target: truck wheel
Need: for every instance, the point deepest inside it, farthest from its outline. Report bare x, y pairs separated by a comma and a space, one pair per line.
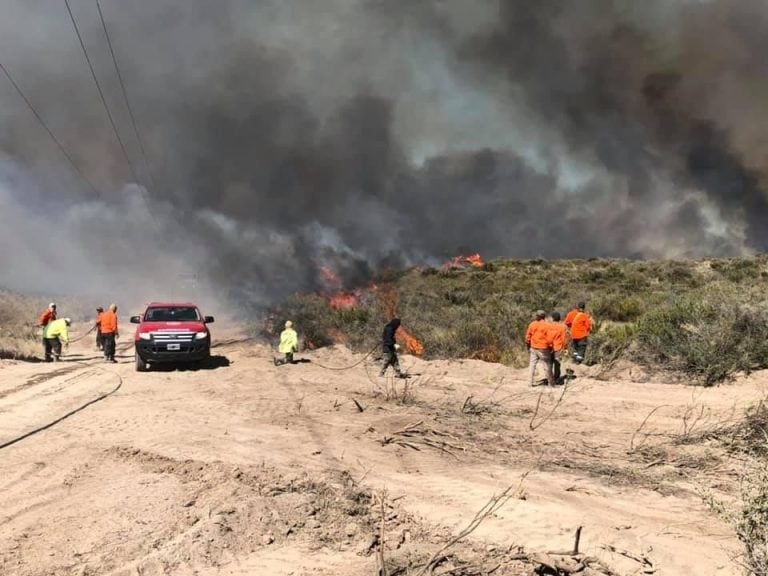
141, 365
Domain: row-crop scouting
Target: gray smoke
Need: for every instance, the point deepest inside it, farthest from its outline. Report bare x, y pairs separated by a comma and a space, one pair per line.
287, 135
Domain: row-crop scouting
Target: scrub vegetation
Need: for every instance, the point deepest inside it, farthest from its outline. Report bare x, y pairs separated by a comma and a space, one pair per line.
703, 321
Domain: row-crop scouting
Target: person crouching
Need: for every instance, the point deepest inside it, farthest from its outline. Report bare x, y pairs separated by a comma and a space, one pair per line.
289, 343
55, 334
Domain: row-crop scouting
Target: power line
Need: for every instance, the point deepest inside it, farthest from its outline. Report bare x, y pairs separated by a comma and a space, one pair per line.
125, 96
109, 114
48, 130
101, 93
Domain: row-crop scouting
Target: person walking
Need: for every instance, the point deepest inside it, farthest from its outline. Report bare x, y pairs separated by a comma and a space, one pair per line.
390, 347
97, 326
109, 333
289, 343
536, 340
55, 334
580, 326
557, 342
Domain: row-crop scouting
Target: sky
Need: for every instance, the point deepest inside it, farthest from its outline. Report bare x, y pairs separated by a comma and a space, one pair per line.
283, 136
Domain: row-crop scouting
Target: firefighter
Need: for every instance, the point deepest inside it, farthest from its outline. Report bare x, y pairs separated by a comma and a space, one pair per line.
289, 343
48, 315
557, 342
109, 333
55, 334
390, 348
537, 342
97, 326
580, 325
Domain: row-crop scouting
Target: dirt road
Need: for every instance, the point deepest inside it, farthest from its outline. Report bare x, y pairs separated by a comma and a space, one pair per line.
248, 468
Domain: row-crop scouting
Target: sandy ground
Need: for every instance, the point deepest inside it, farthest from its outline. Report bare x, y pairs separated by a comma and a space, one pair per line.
247, 468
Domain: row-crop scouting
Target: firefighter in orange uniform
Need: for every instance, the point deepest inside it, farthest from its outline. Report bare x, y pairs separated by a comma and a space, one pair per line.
557, 341
97, 326
536, 340
109, 332
580, 325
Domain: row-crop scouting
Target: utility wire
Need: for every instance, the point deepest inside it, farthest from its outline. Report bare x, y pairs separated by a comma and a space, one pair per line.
109, 114
48, 130
101, 93
125, 96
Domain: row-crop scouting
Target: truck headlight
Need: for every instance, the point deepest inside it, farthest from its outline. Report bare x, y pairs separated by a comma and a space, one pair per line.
201, 335
145, 336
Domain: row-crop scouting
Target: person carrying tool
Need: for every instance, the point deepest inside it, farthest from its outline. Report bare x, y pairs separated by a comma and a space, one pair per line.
580, 325
55, 334
97, 326
109, 333
390, 348
537, 342
289, 343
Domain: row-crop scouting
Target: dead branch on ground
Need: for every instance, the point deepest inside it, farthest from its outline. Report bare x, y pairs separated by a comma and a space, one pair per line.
417, 434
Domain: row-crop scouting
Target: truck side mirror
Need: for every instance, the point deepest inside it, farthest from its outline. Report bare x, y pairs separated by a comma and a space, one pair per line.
135, 319
208, 319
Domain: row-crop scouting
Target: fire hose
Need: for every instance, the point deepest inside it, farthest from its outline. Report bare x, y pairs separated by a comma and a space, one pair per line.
68, 414
342, 368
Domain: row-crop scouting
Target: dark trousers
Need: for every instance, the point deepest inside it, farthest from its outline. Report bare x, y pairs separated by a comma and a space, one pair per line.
99, 339
555, 368
287, 360
52, 348
579, 349
390, 359
108, 340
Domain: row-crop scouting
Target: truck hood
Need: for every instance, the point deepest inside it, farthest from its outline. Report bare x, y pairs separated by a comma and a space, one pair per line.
171, 327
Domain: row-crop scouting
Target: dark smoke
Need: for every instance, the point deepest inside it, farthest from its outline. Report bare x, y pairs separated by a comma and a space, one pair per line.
287, 135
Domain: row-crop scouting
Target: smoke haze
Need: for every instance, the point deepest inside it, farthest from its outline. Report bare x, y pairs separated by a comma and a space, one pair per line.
286, 135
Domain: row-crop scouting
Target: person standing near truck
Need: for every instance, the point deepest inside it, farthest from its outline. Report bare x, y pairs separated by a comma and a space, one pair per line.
97, 326
109, 333
48, 316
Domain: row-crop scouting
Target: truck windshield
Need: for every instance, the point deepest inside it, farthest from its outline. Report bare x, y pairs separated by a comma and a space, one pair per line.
172, 314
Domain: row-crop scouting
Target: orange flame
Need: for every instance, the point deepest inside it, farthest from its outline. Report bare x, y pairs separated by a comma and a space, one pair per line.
410, 344
343, 301
388, 300
474, 260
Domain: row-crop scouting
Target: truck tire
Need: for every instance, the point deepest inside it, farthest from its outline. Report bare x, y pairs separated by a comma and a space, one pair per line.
141, 365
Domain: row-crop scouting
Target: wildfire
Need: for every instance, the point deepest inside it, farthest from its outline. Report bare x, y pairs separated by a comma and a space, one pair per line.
409, 343
337, 298
388, 300
474, 260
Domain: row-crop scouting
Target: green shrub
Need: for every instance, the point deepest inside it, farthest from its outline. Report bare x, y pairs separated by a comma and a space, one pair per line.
707, 339
752, 522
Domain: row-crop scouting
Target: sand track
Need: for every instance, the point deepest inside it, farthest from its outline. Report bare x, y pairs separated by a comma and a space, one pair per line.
247, 468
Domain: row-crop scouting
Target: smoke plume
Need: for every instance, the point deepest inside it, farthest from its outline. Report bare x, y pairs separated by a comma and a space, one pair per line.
286, 135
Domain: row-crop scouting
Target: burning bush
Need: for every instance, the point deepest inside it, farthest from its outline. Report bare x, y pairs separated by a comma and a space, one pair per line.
689, 317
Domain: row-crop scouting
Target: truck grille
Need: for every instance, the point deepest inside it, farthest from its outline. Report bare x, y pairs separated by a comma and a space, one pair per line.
173, 337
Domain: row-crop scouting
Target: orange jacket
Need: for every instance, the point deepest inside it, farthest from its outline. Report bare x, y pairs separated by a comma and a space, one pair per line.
108, 322
556, 336
536, 335
98, 319
570, 316
47, 316
581, 326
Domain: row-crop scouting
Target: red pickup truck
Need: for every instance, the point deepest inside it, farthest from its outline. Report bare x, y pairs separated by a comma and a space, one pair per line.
171, 332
